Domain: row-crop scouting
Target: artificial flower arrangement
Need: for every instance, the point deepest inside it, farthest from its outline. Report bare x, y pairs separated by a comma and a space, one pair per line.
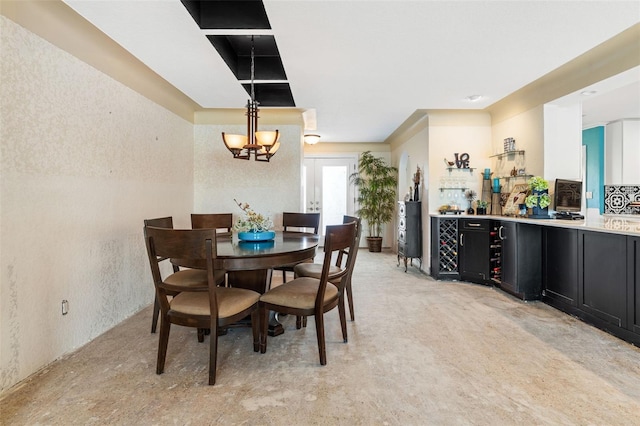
539, 196
252, 222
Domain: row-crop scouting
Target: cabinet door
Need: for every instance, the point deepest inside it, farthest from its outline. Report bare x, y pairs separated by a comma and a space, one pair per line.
602, 276
474, 250
507, 232
560, 265
633, 286
522, 260
413, 238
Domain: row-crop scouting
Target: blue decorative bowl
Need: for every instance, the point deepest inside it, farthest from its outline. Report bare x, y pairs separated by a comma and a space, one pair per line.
256, 236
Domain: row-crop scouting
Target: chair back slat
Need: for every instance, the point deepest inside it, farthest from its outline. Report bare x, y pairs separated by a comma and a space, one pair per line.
219, 221
160, 222
301, 220
182, 243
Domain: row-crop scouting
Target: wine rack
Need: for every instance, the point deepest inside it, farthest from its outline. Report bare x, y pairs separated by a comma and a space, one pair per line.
444, 264
495, 250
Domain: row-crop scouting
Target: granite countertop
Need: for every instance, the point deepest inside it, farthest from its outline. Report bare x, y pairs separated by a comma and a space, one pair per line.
626, 225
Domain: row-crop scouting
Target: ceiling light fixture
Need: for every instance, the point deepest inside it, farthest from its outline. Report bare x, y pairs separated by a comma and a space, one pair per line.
311, 139
262, 144
588, 92
474, 98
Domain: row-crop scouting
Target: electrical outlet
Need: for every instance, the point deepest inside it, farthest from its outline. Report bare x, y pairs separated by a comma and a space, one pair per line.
65, 307
589, 195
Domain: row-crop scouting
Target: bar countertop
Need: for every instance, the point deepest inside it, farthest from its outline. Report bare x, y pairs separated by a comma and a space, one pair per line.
624, 225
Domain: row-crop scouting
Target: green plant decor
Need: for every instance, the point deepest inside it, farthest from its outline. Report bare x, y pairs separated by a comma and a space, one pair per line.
377, 183
482, 204
539, 196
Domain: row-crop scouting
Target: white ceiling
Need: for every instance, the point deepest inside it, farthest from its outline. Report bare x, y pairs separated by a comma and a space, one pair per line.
366, 66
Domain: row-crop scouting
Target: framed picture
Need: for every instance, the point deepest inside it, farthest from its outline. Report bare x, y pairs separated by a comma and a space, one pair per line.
516, 196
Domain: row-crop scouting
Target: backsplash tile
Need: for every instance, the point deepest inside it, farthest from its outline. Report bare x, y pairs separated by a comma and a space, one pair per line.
618, 199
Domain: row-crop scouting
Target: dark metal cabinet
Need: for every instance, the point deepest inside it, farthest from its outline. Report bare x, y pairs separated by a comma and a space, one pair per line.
560, 266
444, 248
521, 260
633, 286
474, 250
602, 276
409, 231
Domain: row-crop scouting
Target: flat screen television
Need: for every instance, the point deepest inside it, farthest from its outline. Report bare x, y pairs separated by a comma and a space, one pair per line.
568, 195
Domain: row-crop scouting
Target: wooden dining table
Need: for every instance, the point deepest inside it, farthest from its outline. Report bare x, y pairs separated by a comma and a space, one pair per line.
249, 264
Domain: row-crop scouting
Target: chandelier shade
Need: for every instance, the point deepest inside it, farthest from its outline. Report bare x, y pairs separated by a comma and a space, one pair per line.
261, 144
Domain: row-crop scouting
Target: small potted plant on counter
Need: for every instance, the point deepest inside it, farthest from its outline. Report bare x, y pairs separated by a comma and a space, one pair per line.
538, 199
481, 207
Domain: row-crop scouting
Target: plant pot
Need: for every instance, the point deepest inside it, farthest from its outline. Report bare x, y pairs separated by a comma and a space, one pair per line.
481, 210
374, 244
538, 212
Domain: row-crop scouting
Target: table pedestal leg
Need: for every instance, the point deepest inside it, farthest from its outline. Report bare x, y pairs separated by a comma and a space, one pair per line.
259, 281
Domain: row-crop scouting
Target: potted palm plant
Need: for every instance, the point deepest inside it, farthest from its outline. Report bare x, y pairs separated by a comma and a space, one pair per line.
377, 183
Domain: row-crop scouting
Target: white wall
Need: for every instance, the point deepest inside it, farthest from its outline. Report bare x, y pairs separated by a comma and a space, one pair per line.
84, 160
622, 152
527, 129
460, 132
562, 142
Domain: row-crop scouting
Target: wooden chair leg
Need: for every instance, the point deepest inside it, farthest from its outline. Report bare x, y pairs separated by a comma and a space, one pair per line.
322, 351
343, 318
264, 322
213, 357
298, 322
350, 299
156, 314
201, 335
165, 328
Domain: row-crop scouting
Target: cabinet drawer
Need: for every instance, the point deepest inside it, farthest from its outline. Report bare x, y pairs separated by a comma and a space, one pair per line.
402, 235
475, 225
402, 223
402, 210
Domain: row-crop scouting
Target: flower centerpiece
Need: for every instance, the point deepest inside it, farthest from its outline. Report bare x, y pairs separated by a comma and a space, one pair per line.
538, 200
253, 226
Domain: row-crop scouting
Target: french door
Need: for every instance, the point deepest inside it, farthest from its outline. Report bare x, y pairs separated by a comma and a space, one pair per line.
327, 190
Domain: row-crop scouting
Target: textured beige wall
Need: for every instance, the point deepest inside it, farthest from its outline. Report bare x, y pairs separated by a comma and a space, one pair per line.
84, 159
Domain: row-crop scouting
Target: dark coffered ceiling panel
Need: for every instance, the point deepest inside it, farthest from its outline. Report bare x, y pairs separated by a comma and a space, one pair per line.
228, 14
235, 49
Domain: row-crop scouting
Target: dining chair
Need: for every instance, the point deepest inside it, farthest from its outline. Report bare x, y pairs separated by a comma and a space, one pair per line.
307, 296
223, 222
297, 222
314, 270
167, 222
210, 308
187, 278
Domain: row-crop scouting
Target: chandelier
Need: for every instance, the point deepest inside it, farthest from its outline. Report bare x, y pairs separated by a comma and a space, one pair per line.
261, 144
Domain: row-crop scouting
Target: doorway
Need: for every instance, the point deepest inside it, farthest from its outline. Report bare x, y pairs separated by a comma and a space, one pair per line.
326, 188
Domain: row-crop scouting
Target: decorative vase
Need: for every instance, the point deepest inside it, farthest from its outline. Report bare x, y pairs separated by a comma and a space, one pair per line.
415, 193
470, 209
481, 210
